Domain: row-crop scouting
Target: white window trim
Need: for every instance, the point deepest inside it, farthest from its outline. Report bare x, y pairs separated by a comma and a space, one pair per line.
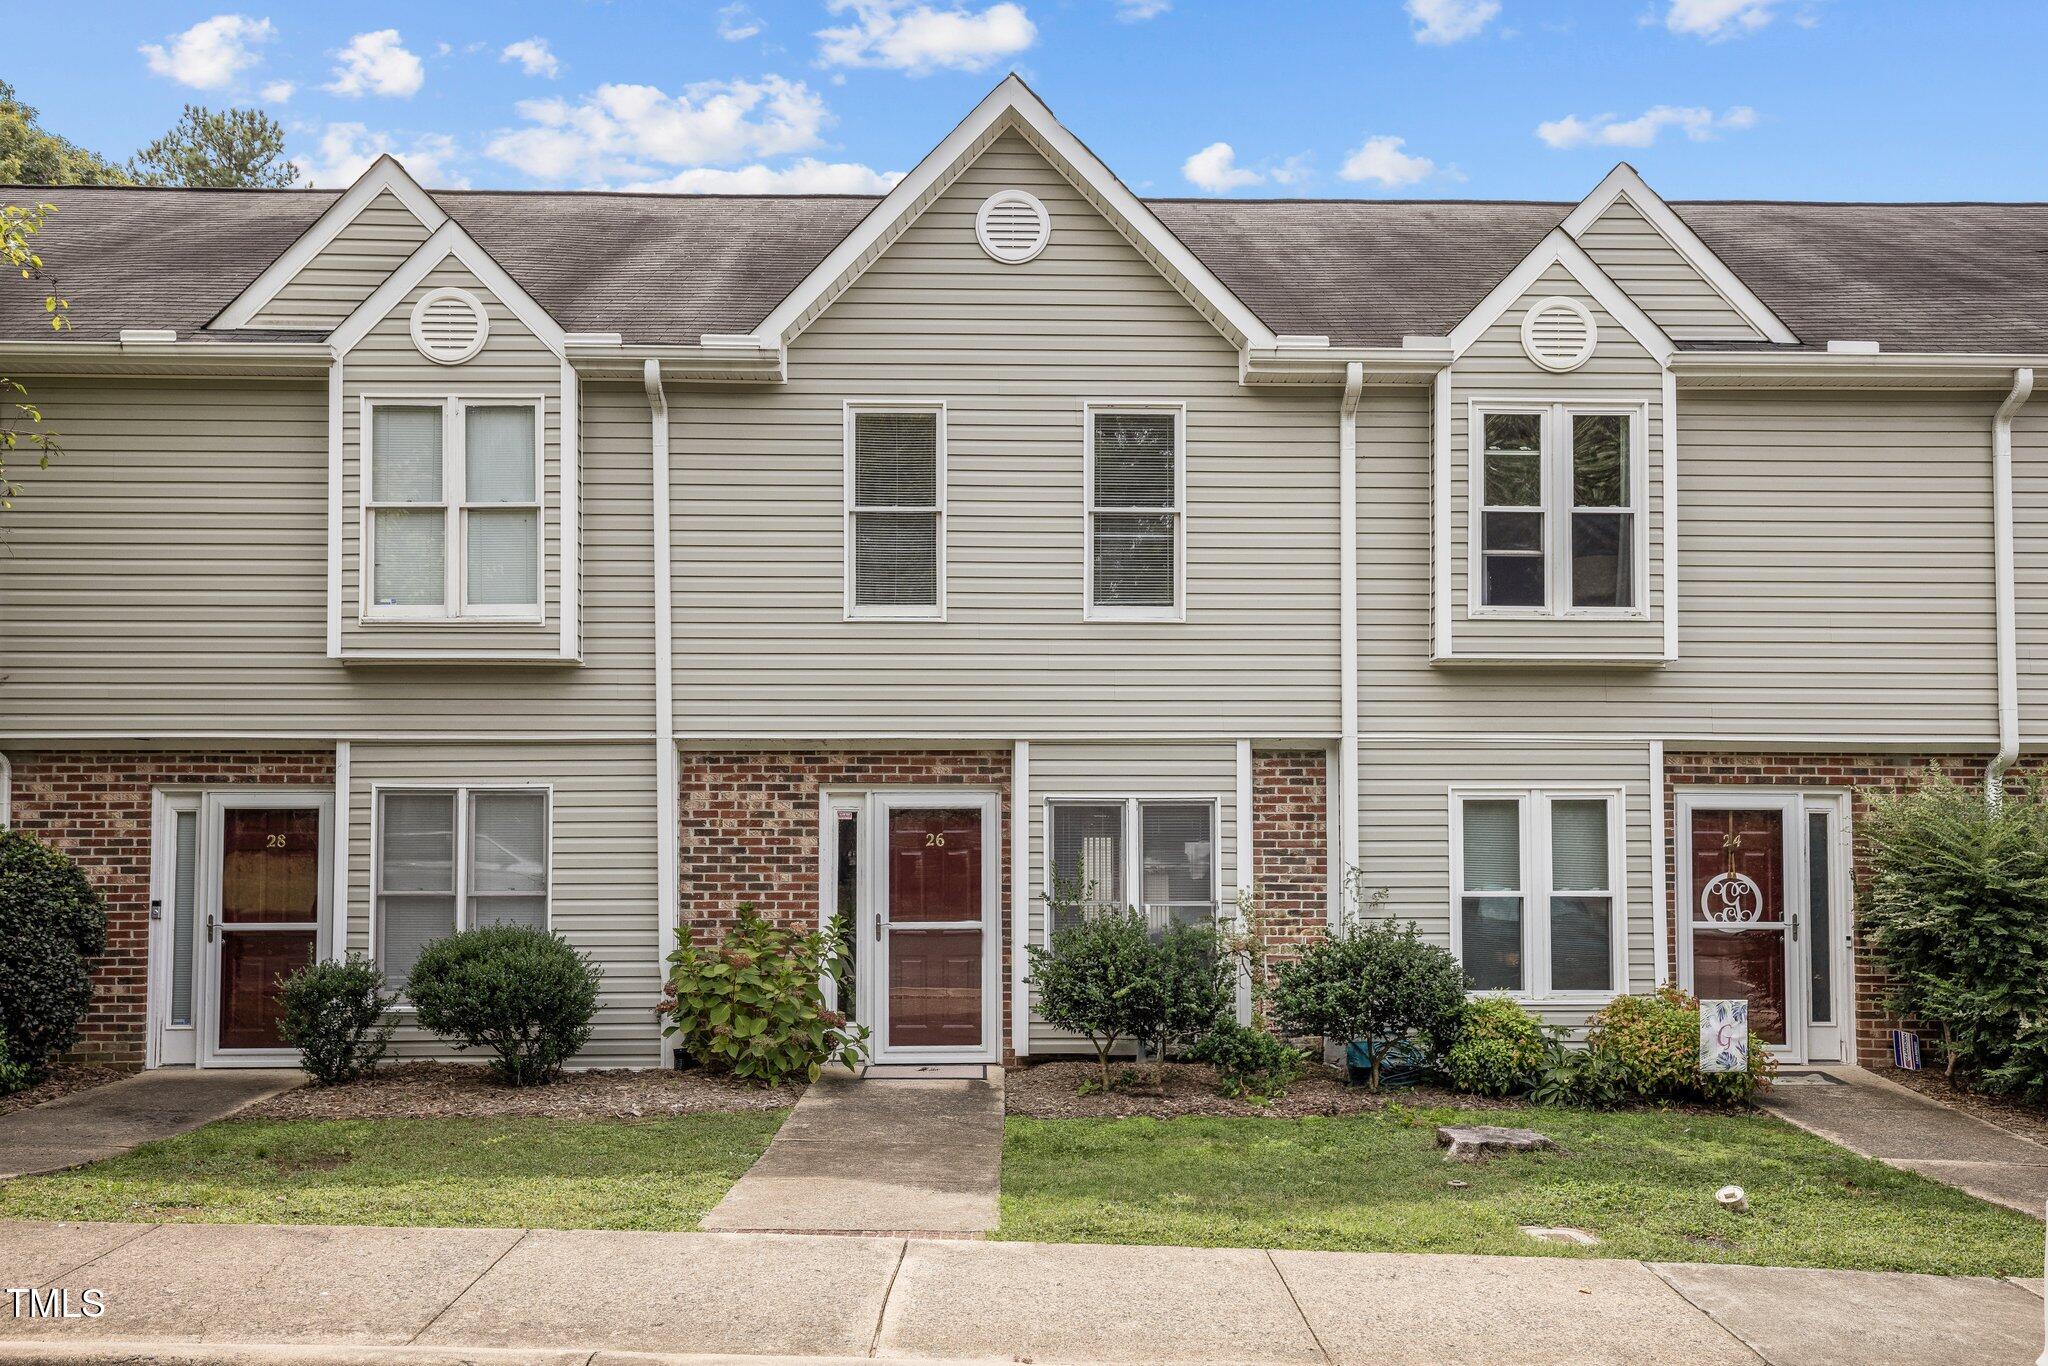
464, 793
1090, 611
454, 609
852, 409
1557, 507
1133, 870
1533, 804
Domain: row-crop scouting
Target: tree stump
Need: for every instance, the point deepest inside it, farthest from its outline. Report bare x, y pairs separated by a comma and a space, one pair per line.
1477, 1142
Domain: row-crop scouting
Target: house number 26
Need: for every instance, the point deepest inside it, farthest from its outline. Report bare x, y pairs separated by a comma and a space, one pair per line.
934, 840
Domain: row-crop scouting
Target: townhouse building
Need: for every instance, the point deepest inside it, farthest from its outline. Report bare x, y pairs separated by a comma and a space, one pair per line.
1553, 576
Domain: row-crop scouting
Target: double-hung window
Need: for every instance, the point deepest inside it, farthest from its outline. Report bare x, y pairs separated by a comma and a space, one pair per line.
1158, 856
896, 511
1539, 907
1558, 510
456, 858
453, 509
1136, 472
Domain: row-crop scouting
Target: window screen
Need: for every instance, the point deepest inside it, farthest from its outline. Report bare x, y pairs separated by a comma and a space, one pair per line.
508, 859
1179, 843
895, 512
1603, 526
1511, 493
1134, 511
416, 877
409, 521
1491, 901
425, 890
501, 507
1581, 897
1087, 866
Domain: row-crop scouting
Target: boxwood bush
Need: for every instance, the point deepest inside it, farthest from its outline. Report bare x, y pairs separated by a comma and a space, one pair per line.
1377, 982
52, 922
521, 993
1502, 1049
334, 1013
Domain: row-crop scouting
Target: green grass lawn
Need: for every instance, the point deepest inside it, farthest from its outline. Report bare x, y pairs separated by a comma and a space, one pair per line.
488, 1173
1643, 1182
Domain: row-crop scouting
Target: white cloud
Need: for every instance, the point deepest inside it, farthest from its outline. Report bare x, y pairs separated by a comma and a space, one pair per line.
1605, 130
1450, 21
805, 176
534, 56
1138, 11
279, 92
347, 149
1380, 161
377, 64
737, 23
918, 39
208, 55
1215, 169
1717, 19
621, 132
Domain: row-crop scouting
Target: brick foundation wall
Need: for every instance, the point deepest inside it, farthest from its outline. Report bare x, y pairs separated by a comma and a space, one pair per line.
749, 831
1291, 847
95, 806
1861, 774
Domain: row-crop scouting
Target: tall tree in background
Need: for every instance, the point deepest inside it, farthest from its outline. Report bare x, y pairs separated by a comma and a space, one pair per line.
32, 155
225, 149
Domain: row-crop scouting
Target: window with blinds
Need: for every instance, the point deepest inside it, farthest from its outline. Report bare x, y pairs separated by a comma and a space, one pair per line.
1135, 489
895, 512
454, 510
456, 858
1158, 857
1553, 852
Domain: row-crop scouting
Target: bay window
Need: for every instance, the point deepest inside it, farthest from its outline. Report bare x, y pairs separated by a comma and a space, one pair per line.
456, 858
1538, 907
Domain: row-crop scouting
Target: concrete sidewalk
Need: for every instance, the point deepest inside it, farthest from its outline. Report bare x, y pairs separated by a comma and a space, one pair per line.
107, 1120
198, 1292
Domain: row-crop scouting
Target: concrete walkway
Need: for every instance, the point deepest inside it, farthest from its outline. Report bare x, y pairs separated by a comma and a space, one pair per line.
193, 1292
1902, 1128
877, 1156
107, 1120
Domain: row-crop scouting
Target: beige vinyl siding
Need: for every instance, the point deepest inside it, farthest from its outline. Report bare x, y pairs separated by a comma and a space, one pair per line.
1834, 581
762, 648
167, 577
1620, 372
2030, 566
1405, 828
347, 270
1201, 771
514, 364
1662, 282
602, 856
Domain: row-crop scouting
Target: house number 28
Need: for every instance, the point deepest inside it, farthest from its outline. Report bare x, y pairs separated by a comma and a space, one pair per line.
273, 841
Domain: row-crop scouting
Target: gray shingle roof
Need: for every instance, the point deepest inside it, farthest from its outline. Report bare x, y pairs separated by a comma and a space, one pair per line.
1915, 277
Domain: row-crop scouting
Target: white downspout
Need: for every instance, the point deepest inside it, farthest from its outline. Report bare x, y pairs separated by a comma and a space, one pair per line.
2002, 561
6, 791
1346, 806
666, 858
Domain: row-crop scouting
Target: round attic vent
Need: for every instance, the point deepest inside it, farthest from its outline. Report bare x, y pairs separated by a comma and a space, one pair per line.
1559, 334
1012, 226
449, 326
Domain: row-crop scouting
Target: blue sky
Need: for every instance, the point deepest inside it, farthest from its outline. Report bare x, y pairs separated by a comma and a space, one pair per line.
1814, 99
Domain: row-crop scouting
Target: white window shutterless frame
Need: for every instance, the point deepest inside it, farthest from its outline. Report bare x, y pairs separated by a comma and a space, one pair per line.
454, 856
894, 511
453, 521
1129, 515
1559, 512
1160, 855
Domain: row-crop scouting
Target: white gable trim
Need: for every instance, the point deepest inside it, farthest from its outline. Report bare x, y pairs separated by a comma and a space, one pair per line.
1557, 249
1011, 104
385, 174
449, 240
1623, 183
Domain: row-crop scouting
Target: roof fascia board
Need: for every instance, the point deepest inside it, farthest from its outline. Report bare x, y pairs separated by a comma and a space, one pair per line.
1624, 182
165, 358
384, 174
1896, 369
448, 240
1011, 100
1558, 249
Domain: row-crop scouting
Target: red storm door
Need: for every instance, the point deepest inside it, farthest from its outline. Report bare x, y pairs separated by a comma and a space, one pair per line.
933, 924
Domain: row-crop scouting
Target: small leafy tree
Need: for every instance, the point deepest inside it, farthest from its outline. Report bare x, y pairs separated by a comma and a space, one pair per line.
334, 1013
1374, 983
1185, 993
1957, 911
52, 922
753, 1006
521, 993
1092, 976
216, 149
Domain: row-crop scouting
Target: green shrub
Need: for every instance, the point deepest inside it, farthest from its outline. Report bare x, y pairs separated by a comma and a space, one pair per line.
1574, 1076
1251, 1063
1957, 912
753, 1007
13, 1076
521, 993
52, 922
1652, 1044
1501, 1051
1377, 982
1186, 992
1090, 979
334, 1014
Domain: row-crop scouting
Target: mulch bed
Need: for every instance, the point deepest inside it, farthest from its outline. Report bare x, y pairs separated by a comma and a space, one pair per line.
2029, 1121
449, 1090
1048, 1090
65, 1078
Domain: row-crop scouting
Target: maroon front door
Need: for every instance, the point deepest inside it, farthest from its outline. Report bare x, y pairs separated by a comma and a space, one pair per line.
932, 921
269, 921
1738, 915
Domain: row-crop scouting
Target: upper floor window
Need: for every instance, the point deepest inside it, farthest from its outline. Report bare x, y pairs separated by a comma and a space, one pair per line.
1156, 856
1136, 489
453, 513
451, 859
1559, 510
1538, 906
895, 511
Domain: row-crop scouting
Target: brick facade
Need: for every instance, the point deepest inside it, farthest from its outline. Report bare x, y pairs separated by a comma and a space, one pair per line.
1861, 775
1291, 847
95, 806
749, 832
